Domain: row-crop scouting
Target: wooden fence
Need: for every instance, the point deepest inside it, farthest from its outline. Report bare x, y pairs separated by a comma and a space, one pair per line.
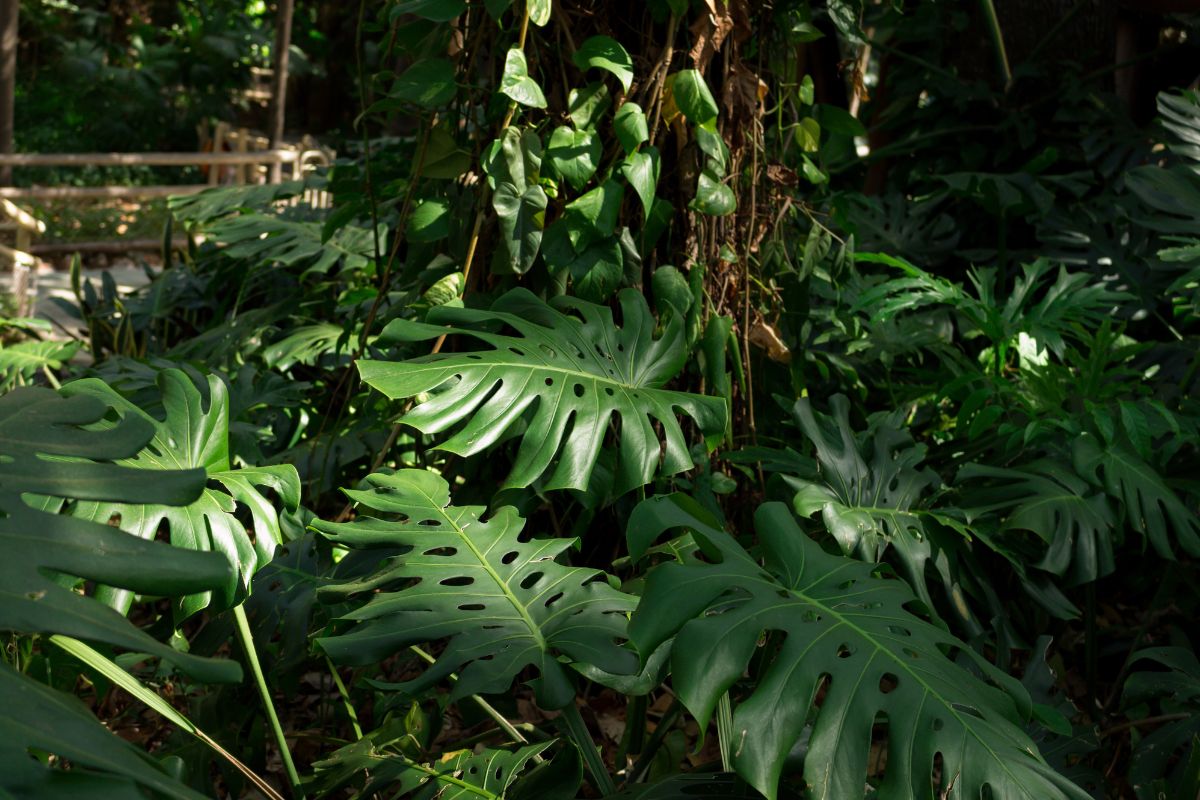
248, 161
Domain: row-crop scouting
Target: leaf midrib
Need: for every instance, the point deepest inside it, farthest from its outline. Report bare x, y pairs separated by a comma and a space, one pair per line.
929, 691
504, 588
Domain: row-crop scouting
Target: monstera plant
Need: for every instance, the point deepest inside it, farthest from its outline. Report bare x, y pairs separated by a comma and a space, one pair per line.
560, 381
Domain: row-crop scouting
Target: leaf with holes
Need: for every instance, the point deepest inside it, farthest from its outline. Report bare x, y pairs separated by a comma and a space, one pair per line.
195, 435
842, 653
502, 603
51, 449
566, 375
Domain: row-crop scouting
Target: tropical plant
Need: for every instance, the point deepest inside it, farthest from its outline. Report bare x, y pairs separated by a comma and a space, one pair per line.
677, 399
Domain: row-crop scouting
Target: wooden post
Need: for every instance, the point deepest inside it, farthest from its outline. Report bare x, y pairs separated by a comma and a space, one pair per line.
243, 146
220, 131
10, 11
283, 42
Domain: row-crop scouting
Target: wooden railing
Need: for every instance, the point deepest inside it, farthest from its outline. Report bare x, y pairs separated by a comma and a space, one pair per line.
250, 162
270, 158
24, 265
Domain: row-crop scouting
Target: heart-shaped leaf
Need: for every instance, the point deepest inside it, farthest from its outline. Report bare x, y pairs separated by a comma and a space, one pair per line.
517, 84
641, 169
630, 125
574, 154
605, 52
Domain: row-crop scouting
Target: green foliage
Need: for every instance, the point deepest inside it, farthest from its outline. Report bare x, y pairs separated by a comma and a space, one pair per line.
39, 720
570, 370
503, 603
194, 435
591, 274
51, 452
844, 632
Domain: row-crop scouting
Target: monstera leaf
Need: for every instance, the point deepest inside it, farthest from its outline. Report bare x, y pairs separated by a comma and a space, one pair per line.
39, 719
456, 776
51, 448
503, 603
1044, 498
1165, 754
567, 374
868, 507
850, 658
1149, 506
195, 435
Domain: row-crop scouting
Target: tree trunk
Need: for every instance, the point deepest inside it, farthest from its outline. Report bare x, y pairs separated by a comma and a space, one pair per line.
283, 43
9, 14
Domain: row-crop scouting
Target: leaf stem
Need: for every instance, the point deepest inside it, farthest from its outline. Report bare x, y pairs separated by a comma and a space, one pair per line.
579, 734
345, 695
993, 24
247, 640
665, 724
484, 705
725, 731
150, 698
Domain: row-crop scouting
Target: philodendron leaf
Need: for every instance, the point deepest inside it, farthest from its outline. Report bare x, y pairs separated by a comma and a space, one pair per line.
713, 197
519, 200
37, 718
539, 11
641, 169
630, 125
503, 603
850, 658
1149, 506
195, 435
517, 84
1045, 498
692, 97
52, 449
606, 53
487, 775
868, 489
568, 372
574, 154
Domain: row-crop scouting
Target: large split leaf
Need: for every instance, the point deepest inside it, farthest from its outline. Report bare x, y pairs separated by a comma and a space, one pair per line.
868, 506
1149, 506
844, 656
567, 374
38, 718
195, 435
1045, 498
503, 603
50, 450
